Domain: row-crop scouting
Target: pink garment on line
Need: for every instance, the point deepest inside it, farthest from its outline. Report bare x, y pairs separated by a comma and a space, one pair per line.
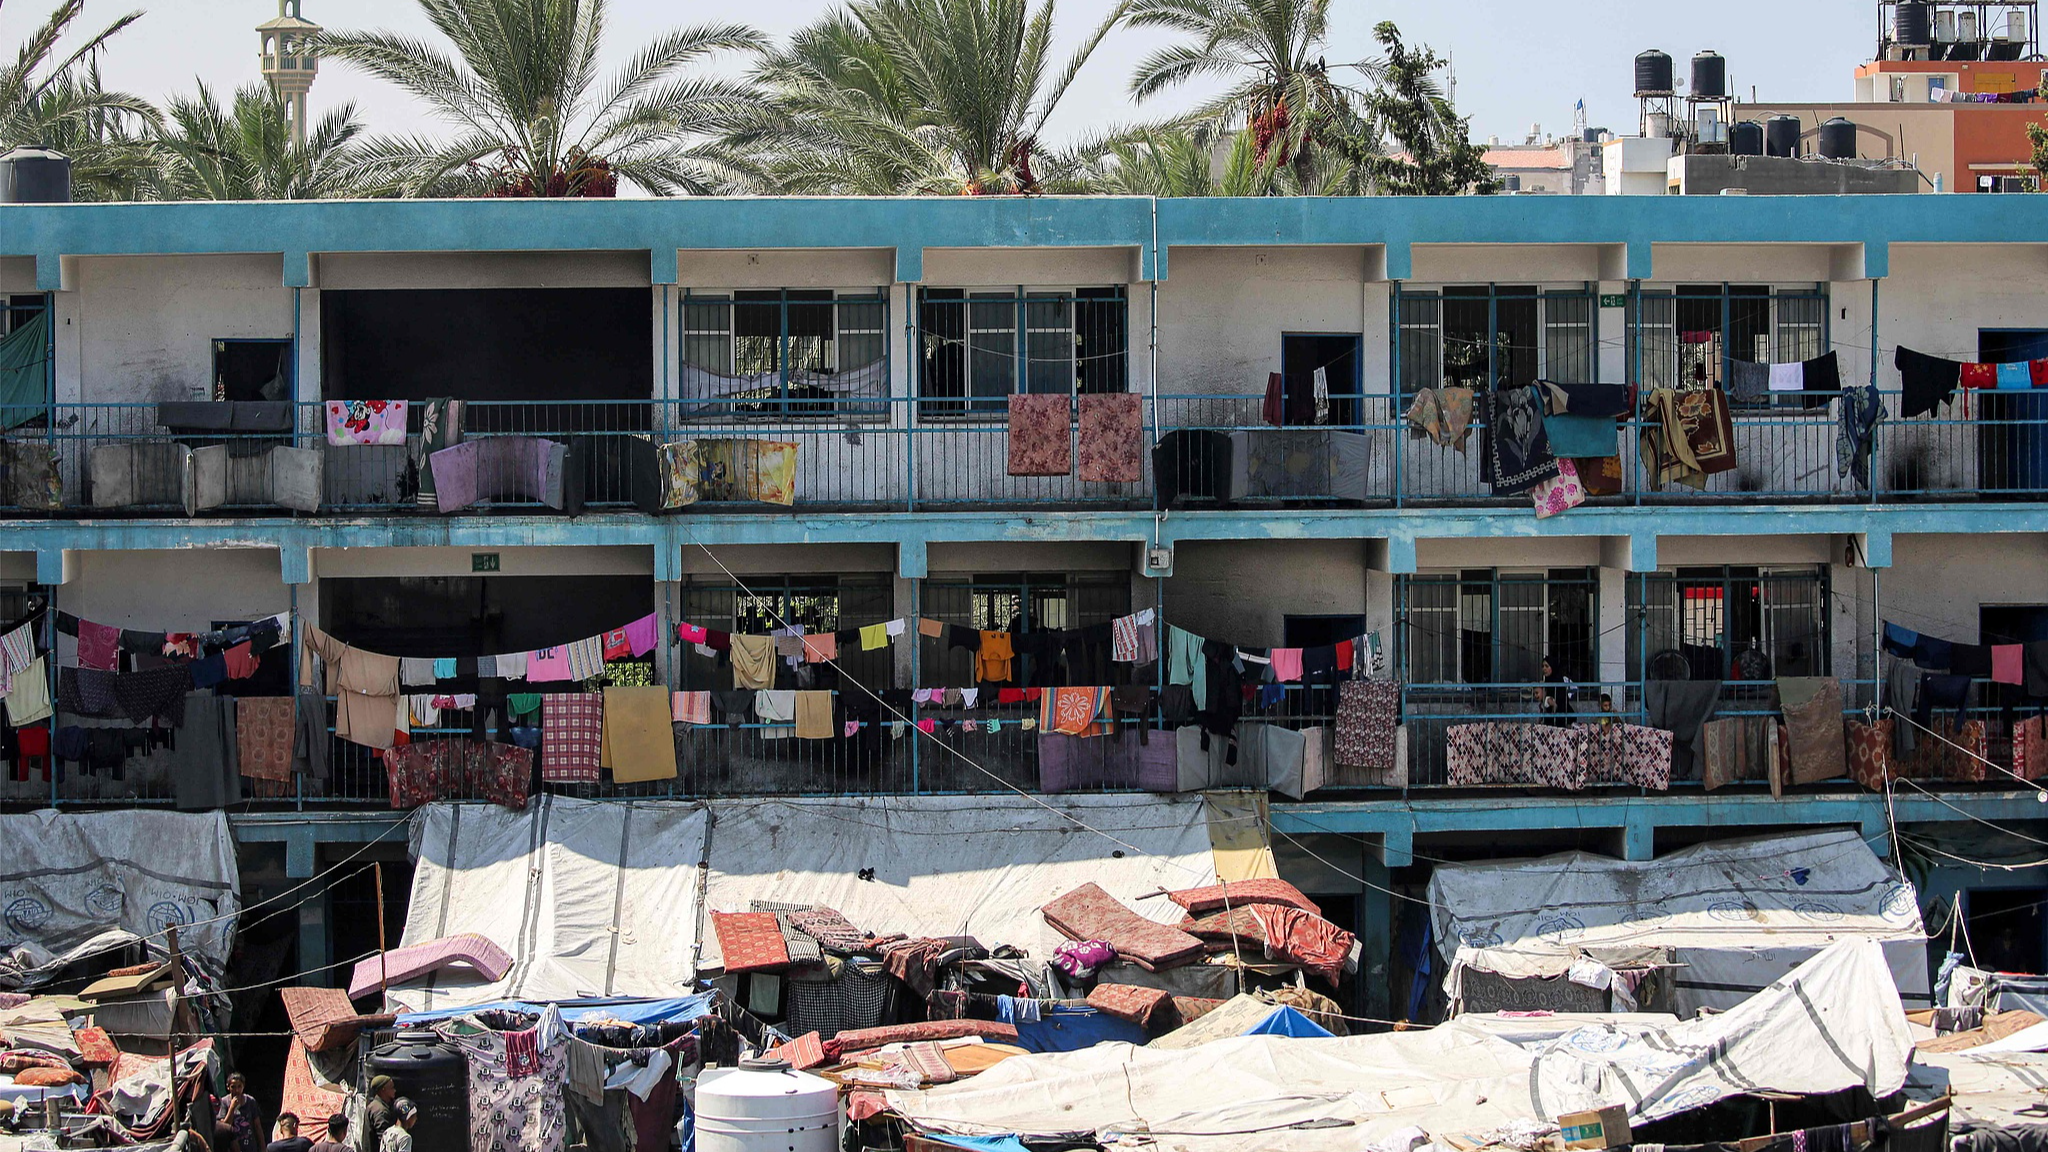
545, 664
640, 635
691, 633
2006, 663
1286, 665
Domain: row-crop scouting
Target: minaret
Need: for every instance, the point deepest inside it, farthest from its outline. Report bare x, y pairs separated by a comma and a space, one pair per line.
286, 65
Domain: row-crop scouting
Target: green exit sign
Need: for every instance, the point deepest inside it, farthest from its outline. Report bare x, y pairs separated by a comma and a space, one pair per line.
1615, 301
483, 561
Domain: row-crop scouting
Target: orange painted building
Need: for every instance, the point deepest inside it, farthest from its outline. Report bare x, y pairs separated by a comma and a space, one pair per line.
1912, 110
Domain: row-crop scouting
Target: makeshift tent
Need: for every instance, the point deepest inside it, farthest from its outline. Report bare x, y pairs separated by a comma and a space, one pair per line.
979, 866
1831, 1025
1998, 991
586, 896
1735, 914
79, 884
24, 368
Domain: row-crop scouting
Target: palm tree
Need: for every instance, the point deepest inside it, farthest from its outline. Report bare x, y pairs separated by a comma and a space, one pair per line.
1178, 160
532, 117
912, 97
1271, 54
60, 103
247, 153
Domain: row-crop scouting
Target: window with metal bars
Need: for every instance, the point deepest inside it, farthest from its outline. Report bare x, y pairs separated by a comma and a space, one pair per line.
1484, 626
1729, 623
786, 352
1020, 602
978, 346
1688, 337
1494, 336
819, 603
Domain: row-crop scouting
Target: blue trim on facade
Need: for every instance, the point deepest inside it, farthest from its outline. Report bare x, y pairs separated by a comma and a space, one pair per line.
909, 225
913, 532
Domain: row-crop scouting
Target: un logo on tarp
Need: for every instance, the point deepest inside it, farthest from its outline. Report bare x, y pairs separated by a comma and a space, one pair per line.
26, 914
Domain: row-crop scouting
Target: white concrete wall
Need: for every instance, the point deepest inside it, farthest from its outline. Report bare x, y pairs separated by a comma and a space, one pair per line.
145, 325
1243, 592
1222, 312
1011, 267
864, 268
17, 274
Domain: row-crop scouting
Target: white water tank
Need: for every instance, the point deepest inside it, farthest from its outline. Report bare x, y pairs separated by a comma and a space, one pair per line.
765, 1106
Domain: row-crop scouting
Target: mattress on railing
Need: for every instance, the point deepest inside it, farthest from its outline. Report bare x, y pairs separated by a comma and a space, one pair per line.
1299, 464
161, 473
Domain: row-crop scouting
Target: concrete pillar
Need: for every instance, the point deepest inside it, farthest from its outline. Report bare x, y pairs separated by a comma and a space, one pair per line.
1612, 353
1613, 629
1375, 939
906, 599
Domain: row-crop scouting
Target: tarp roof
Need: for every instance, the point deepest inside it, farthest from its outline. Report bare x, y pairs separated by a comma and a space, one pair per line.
1832, 1024
591, 898
74, 882
1784, 895
978, 866
595, 899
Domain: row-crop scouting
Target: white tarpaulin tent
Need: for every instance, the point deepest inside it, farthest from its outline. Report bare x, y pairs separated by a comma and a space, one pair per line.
75, 883
1737, 913
589, 898
978, 866
1832, 1024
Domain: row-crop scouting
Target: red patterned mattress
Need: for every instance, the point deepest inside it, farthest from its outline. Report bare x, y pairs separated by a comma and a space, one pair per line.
1089, 913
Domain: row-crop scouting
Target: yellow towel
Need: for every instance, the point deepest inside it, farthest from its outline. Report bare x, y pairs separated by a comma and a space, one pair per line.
638, 743
874, 636
814, 716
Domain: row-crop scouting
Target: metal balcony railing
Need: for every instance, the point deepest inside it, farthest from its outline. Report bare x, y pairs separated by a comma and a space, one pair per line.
895, 454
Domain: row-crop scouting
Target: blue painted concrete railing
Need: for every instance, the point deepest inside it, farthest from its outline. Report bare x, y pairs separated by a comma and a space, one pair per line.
907, 454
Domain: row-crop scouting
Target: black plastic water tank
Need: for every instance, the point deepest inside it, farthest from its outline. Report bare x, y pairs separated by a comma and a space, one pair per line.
1838, 139
1653, 74
35, 176
1709, 75
434, 1075
1913, 22
1781, 136
1511, 183
1746, 138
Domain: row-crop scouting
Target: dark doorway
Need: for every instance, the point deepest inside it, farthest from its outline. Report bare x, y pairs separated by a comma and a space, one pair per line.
245, 370
2010, 624
1301, 353
1317, 631
478, 615
2004, 926
527, 344
2012, 435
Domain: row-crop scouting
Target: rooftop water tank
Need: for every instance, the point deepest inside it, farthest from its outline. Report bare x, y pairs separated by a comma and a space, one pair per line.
1781, 136
1913, 22
764, 1106
1709, 76
1653, 74
35, 176
433, 1075
1746, 138
1838, 139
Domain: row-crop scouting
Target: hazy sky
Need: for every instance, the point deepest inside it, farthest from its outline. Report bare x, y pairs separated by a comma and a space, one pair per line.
1519, 62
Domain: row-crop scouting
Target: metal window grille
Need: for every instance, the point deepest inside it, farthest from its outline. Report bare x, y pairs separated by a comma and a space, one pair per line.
1700, 621
978, 347
791, 350
1027, 602
1494, 336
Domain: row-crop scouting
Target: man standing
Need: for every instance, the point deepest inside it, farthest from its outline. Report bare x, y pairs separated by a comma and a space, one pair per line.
398, 1138
337, 1135
287, 1136
382, 1093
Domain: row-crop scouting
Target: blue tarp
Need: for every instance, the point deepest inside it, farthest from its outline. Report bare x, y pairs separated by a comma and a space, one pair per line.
626, 1011
1288, 1022
983, 1143
1072, 1029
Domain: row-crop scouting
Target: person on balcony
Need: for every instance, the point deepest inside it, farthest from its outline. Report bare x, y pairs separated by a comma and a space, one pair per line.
1554, 697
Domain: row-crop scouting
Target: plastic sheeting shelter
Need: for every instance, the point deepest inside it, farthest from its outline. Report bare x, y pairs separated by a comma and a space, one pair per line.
978, 866
1736, 914
75, 884
1832, 1024
590, 898
600, 899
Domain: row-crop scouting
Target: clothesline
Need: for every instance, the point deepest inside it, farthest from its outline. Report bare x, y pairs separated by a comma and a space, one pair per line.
1998, 663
